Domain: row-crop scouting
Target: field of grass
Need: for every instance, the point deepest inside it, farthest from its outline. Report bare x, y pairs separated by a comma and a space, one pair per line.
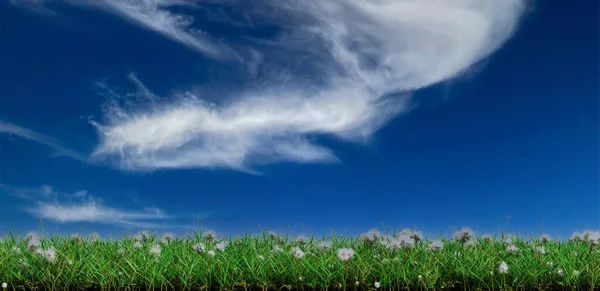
374, 261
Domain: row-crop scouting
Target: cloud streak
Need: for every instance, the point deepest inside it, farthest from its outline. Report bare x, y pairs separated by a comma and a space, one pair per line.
370, 56
31, 135
47, 203
339, 68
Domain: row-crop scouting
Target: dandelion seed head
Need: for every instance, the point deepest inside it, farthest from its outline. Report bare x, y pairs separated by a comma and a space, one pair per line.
33, 243
549, 264
420, 277
576, 273
576, 237
76, 237
545, 238
464, 235
372, 235
435, 246
155, 250
31, 235
94, 238
277, 249
356, 283
487, 237
541, 250
560, 272
4, 285
301, 239
402, 241
508, 239
211, 253
15, 249
137, 245
297, 253
512, 249
167, 237
377, 285
210, 235
199, 247
325, 245
503, 268
221, 245
345, 254
143, 235
22, 263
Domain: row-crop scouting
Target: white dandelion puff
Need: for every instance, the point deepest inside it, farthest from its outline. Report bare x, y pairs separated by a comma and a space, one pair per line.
33, 243
210, 235
4, 285
15, 249
277, 249
512, 249
377, 285
508, 239
300, 279
372, 235
137, 245
199, 248
325, 245
167, 237
435, 246
76, 237
297, 253
549, 264
464, 235
221, 246
94, 238
211, 253
143, 235
541, 250
545, 238
345, 254
301, 239
503, 268
356, 283
560, 272
420, 277
155, 250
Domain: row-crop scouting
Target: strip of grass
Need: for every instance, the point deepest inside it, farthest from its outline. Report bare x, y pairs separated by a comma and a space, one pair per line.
255, 262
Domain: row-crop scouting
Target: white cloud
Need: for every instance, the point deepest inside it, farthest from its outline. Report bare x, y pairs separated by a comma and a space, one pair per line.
47, 203
372, 55
31, 135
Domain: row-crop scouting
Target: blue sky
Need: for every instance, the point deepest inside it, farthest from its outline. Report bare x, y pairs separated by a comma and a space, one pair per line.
299, 116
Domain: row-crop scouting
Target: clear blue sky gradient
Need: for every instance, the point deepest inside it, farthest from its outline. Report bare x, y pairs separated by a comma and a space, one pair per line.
520, 136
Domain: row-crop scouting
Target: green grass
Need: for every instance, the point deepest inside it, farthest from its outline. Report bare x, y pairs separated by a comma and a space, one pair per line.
101, 265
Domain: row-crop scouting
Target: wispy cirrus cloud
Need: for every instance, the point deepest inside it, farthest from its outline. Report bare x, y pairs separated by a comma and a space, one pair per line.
46, 203
339, 68
31, 135
369, 57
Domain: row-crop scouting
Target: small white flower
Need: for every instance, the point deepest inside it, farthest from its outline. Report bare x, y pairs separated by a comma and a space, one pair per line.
94, 237
345, 254
435, 246
512, 249
464, 235
301, 239
325, 245
167, 237
261, 257
377, 285
420, 277
155, 250
15, 249
372, 235
356, 283
70, 262
210, 235
549, 264
560, 272
385, 261
277, 249
541, 250
120, 251
211, 253
22, 263
221, 245
199, 248
503, 268
119, 274
297, 252
300, 279
4, 285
